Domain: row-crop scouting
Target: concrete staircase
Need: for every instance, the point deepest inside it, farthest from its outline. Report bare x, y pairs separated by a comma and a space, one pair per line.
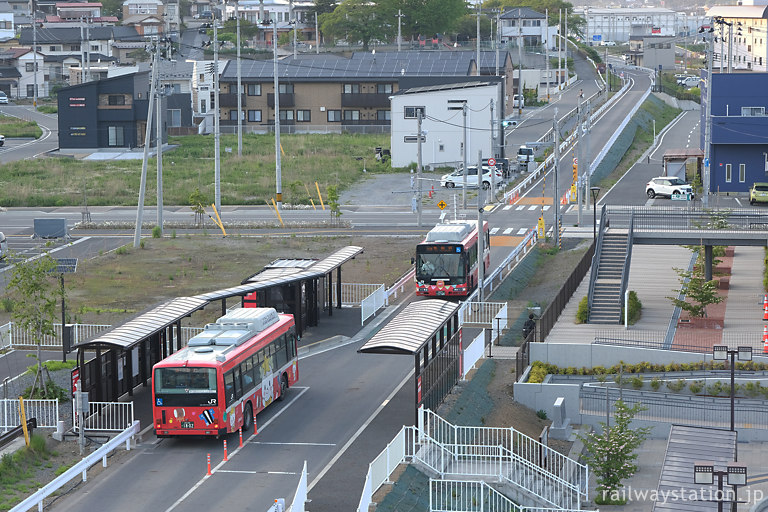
606, 296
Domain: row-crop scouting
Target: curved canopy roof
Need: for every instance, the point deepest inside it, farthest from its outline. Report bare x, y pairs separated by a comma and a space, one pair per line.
411, 328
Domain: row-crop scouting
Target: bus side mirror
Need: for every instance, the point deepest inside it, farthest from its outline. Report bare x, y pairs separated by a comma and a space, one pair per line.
413, 260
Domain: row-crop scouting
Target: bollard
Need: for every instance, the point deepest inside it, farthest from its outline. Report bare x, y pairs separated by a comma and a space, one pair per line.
241, 437
225, 451
254, 425
209, 464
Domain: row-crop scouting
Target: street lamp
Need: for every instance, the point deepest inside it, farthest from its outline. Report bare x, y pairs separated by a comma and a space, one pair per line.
704, 473
721, 353
595, 192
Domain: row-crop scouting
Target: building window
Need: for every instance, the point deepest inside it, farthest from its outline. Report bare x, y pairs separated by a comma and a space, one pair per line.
412, 139
233, 115
441, 147
52, 48
286, 115
384, 88
116, 136
351, 88
74, 48
334, 116
752, 111
727, 173
254, 116
29, 67
202, 77
116, 99
351, 115
254, 89
285, 88
202, 106
303, 116
384, 115
174, 117
411, 112
30, 90
94, 48
742, 173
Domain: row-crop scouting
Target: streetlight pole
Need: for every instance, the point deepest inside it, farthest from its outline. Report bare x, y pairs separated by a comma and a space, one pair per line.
704, 473
721, 353
555, 204
595, 192
216, 121
399, 17
419, 115
239, 86
708, 121
278, 162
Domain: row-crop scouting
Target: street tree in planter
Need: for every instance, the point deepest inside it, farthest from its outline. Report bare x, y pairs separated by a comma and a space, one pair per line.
702, 293
612, 452
35, 292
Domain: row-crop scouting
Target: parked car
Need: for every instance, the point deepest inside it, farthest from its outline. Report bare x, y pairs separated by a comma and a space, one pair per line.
456, 178
691, 81
525, 156
3, 98
518, 101
608, 43
758, 193
2, 140
666, 186
3, 246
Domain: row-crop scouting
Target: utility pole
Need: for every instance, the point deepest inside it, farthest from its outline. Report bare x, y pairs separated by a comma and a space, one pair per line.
239, 87
317, 37
83, 42
559, 43
216, 121
519, 63
34, 51
579, 158
478, 43
159, 147
546, 48
555, 203
419, 113
292, 22
480, 230
399, 17
730, 47
147, 136
464, 110
708, 124
586, 162
493, 136
497, 40
278, 161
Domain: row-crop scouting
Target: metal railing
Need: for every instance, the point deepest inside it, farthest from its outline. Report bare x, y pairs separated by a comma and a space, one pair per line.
627, 260
505, 453
372, 303
105, 416
482, 314
353, 294
474, 496
552, 313
45, 410
5, 336
81, 468
688, 218
702, 411
596, 258
380, 469
683, 341
510, 262
399, 286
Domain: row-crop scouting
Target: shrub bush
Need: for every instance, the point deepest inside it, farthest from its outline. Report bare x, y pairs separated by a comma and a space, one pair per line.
656, 383
582, 314
635, 308
676, 385
637, 382
696, 386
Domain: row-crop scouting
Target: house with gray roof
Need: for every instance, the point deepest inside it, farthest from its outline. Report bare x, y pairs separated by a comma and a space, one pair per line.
336, 93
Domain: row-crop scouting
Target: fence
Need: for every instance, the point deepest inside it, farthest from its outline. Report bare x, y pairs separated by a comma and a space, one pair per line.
353, 294
552, 313
372, 303
79, 468
510, 262
472, 354
384, 464
700, 411
482, 314
470, 496
105, 416
300, 496
684, 340
46, 411
695, 218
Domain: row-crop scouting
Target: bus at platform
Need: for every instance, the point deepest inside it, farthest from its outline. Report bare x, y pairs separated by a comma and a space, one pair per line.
226, 374
447, 261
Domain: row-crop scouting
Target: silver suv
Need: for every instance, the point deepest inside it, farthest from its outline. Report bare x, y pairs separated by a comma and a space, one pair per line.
666, 186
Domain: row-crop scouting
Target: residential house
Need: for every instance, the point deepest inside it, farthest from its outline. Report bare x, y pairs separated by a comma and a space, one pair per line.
749, 32
146, 16
74, 14
651, 52
282, 12
10, 70
443, 121
334, 93
109, 113
522, 25
739, 147
7, 25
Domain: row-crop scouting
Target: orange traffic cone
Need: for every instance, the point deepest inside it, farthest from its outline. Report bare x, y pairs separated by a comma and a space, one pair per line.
765, 307
765, 339
431, 191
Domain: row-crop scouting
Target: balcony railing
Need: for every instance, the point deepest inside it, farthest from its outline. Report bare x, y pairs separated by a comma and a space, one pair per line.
230, 100
365, 100
365, 122
286, 100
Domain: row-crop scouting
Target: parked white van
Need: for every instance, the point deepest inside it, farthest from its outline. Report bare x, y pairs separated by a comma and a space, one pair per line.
3, 246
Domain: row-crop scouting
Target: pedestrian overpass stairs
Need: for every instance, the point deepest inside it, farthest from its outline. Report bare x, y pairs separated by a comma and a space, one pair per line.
610, 266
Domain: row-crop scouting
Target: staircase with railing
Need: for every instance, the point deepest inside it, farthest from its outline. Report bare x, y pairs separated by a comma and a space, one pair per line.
609, 278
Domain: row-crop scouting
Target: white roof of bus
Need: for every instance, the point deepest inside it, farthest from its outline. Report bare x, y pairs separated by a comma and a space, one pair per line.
452, 231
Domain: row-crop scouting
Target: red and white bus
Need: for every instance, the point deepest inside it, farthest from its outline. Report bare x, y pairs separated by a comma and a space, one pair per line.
447, 259
226, 374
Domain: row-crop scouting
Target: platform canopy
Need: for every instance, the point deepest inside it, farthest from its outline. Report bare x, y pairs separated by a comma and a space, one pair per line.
412, 328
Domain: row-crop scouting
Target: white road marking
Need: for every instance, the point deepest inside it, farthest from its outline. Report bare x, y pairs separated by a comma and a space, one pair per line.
546, 208
507, 231
532, 207
522, 231
520, 208
237, 450
293, 444
507, 207
737, 200
494, 230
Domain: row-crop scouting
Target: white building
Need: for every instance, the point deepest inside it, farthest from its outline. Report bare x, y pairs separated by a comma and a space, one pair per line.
617, 24
748, 33
7, 30
443, 128
530, 25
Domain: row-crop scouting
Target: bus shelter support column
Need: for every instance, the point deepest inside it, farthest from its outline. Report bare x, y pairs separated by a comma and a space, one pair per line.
330, 293
142, 361
99, 395
129, 371
223, 307
179, 342
416, 379
338, 285
114, 392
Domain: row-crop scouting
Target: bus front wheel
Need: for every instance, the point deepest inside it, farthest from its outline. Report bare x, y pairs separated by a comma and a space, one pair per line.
283, 387
248, 417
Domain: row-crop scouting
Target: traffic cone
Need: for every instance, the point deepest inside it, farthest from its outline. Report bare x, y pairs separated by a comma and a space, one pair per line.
431, 190
765, 339
765, 307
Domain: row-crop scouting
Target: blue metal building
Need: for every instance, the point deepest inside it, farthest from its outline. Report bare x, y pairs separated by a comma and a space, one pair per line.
739, 153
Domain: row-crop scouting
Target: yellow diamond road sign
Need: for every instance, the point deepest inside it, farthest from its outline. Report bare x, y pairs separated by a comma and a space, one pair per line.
441, 205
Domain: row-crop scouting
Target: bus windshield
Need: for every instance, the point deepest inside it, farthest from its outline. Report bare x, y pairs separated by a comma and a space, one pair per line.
185, 380
441, 266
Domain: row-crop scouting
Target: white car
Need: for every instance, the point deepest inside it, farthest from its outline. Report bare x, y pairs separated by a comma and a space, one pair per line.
666, 186
456, 178
608, 43
2, 140
518, 101
3, 98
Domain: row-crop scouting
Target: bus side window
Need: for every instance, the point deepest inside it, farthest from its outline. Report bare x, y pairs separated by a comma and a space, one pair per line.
238, 384
280, 358
260, 369
229, 387
292, 342
248, 380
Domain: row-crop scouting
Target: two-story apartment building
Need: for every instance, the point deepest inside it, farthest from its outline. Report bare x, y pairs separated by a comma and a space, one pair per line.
74, 14
280, 11
522, 25
739, 151
748, 35
651, 52
334, 93
145, 16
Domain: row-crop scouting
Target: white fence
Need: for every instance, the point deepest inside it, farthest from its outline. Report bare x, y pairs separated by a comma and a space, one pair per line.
105, 416
372, 303
44, 410
473, 353
474, 496
482, 314
5, 336
399, 286
353, 294
300, 497
492, 281
79, 468
384, 465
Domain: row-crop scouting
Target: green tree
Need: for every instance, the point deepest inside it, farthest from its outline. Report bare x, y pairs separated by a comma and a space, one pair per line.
36, 293
702, 293
356, 20
333, 202
196, 201
611, 453
427, 17
324, 6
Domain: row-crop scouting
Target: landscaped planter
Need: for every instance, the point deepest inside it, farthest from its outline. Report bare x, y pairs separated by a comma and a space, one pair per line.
701, 323
724, 283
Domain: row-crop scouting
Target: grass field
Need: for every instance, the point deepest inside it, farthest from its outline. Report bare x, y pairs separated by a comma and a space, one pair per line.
14, 127
328, 159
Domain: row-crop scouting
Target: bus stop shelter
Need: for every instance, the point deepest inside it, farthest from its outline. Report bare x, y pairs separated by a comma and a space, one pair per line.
429, 331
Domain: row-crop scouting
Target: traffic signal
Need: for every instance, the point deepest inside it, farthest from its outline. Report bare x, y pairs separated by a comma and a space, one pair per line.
575, 170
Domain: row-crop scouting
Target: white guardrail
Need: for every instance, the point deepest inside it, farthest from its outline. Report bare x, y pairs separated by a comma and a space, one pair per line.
45, 411
81, 468
300, 496
105, 416
372, 303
